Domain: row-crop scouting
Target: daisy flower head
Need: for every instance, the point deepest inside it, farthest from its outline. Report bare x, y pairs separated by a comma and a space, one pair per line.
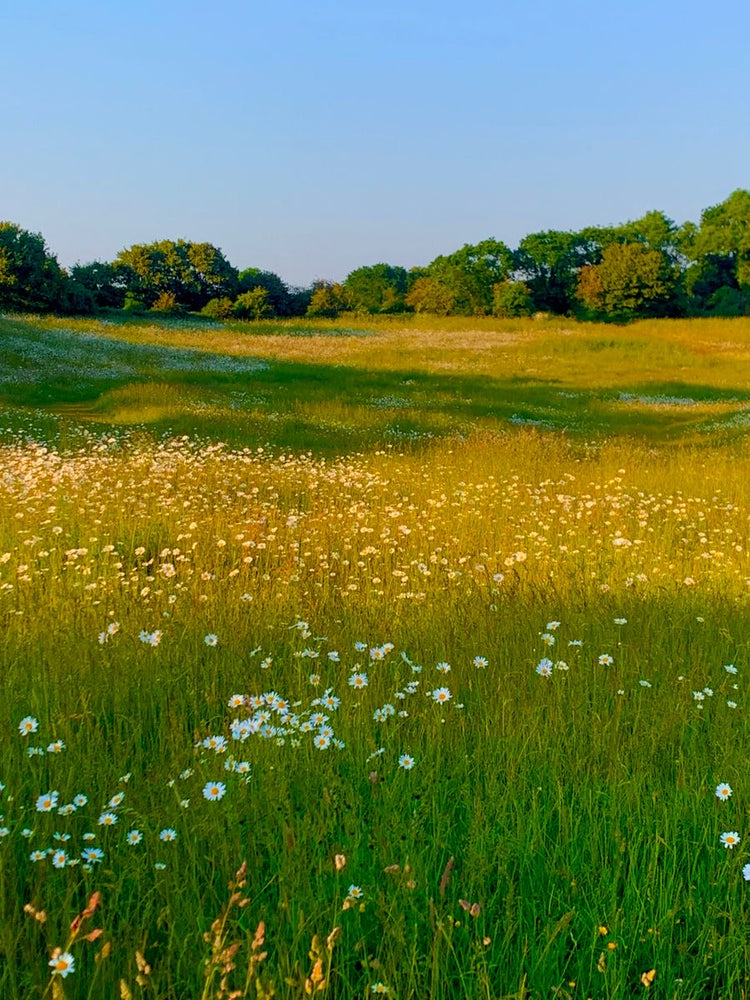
62, 963
441, 695
360, 646
544, 667
605, 660
723, 791
406, 761
107, 819
354, 892
38, 856
443, 667
214, 790
168, 835
551, 626
548, 639
28, 725
746, 872
730, 839
358, 681
79, 801
133, 837
47, 802
620, 621
116, 800
92, 855
211, 639
236, 701
322, 741
59, 859
730, 668
57, 747
380, 988
480, 662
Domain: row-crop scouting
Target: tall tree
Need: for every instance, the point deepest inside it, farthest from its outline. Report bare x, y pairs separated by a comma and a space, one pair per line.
380, 288
192, 272
30, 277
471, 273
725, 230
630, 281
549, 263
278, 298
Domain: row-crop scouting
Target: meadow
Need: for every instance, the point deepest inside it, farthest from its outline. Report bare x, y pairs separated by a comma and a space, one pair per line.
392, 657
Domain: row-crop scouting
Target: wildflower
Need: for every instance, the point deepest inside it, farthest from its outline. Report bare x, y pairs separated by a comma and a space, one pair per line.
62, 963
4, 831
168, 835
730, 668
575, 642
645, 684
551, 626
358, 681
37, 855
443, 667
360, 646
89, 836
79, 801
746, 872
92, 855
133, 837
236, 701
28, 725
322, 742
406, 761
214, 790
354, 892
59, 859
47, 802
723, 791
730, 839
380, 988
26, 832
116, 800
605, 660
211, 639
480, 661
35, 751
57, 747
699, 696
548, 639
107, 819
441, 695
333, 656
241, 767
217, 743
621, 621
731, 704
544, 667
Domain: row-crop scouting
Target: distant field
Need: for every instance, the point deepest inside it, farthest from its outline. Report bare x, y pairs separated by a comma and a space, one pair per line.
440, 627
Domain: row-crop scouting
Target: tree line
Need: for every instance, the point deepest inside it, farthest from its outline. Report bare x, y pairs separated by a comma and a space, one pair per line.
649, 267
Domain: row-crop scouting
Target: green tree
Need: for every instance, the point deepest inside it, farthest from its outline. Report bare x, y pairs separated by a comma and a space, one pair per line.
100, 279
279, 296
725, 231
428, 295
471, 273
630, 281
253, 304
192, 272
30, 277
379, 288
549, 263
328, 300
512, 298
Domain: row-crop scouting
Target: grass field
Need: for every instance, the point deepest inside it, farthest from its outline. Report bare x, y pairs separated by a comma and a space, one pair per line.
437, 634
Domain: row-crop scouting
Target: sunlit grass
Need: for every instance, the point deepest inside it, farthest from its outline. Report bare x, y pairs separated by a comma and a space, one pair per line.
556, 835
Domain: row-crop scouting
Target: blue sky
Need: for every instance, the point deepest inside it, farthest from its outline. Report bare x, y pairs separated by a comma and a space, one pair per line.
311, 138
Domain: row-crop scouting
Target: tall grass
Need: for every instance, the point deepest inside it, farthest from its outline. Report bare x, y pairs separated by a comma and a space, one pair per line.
531, 651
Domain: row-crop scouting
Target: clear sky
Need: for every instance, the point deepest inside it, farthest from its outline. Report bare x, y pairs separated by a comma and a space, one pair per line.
309, 138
